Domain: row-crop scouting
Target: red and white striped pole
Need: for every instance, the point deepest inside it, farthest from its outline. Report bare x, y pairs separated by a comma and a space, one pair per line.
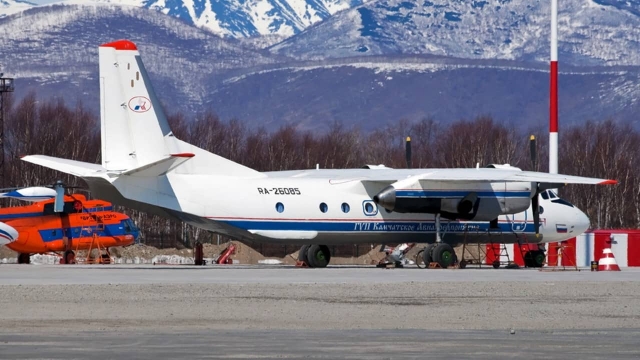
553, 102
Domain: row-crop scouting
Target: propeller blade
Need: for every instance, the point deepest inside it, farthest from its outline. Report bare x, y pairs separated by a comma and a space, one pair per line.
535, 206
33, 194
533, 153
407, 152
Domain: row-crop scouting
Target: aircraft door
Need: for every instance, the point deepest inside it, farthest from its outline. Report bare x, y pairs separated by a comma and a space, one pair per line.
518, 222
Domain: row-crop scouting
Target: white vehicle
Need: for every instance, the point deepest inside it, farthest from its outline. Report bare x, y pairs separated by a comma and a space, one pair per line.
144, 166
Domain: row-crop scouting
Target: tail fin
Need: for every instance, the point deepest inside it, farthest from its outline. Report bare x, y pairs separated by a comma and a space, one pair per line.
135, 131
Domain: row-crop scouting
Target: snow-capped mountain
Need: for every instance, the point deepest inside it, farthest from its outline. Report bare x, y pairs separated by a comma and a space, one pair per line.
590, 32
8, 7
242, 18
53, 50
56, 46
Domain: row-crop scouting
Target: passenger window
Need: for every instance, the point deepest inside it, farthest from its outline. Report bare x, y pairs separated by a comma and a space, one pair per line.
345, 208
369, 208
323, 207
279, 207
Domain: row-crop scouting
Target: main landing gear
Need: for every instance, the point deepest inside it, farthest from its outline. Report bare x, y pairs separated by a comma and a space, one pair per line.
438, 254
314, 256
69, 257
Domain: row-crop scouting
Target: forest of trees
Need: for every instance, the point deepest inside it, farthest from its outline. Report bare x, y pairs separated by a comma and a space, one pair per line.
603, 148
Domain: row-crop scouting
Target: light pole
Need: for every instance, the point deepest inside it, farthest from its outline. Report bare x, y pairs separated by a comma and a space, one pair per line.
6, 86
553, 101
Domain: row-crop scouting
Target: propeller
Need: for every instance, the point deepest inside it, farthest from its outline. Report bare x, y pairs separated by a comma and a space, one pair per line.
32, 194
407, 152
535, 201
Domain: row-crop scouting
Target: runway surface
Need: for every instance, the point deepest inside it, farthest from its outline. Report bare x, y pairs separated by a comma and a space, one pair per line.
13, 274
53, 311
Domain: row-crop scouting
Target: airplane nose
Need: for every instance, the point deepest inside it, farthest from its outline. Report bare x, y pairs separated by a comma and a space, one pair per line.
582, 222
7, 234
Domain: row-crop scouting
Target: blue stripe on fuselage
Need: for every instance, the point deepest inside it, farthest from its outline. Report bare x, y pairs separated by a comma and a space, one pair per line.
82, 231
370, 226
36, 214
462, 193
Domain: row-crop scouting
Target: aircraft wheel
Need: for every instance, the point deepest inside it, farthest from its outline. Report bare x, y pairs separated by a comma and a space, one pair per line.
318, 256
106, 259
69, 257
496, 264
302, 254
427, 254
420, 259
463, 264
534, 258
24, 258
444, 255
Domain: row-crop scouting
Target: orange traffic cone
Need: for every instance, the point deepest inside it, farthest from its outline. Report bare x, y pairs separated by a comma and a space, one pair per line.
607, 262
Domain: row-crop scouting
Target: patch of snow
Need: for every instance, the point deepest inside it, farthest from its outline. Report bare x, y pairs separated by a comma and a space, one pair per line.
270, 262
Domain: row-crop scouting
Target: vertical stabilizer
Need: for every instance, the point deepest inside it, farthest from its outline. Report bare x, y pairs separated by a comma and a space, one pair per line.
133, 123
135, 131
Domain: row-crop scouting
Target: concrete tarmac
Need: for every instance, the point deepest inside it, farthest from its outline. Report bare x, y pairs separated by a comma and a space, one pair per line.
126, 311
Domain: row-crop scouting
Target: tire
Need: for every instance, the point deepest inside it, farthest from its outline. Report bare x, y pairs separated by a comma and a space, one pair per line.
444, 255
24, 258
420, 259
302, 254
463, 264
496, 264
69, 257
427, 254
318, 256
534, 258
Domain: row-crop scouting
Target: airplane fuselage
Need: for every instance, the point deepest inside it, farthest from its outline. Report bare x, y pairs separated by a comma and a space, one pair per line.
295, 208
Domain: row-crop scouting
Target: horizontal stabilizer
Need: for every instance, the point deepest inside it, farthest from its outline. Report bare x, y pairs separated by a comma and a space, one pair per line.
160, 167
77, 168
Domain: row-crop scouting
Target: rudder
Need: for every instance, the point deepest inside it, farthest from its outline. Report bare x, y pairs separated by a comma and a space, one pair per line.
133, 125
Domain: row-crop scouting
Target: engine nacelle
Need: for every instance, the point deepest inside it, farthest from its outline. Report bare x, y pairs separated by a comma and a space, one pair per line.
375, 167
469, 201
503, 166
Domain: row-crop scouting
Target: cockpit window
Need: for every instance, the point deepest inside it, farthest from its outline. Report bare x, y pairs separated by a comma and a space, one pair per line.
553, 195
562, 201
129, 226
544, 195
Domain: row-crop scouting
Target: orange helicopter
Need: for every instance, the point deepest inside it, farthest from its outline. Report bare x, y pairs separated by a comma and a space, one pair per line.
62, 224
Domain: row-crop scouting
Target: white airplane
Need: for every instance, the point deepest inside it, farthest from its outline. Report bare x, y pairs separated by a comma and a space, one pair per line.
144, 166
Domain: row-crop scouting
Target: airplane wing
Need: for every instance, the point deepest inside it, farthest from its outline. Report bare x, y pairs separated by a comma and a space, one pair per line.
487, 175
